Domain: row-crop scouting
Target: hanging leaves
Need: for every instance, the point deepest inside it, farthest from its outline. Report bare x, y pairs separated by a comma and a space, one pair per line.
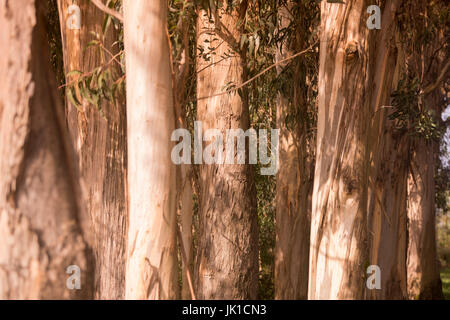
410, 115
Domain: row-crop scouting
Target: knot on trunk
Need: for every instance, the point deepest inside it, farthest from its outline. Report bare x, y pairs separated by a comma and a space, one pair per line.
352, 51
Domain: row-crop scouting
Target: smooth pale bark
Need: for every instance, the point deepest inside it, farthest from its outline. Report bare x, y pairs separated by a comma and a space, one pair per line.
227, 253
40, 216
101, 151
294, 180
353, 139
151, 271
423, 271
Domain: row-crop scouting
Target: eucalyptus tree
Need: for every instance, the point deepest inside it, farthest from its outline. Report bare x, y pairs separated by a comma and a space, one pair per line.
182, 20
151, 267
96, 120
41, 206
295, 119
420, 103
227, 253
359, 196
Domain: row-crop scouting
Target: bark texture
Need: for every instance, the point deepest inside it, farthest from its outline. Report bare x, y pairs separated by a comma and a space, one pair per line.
425, 61
354, 142
39, 213
388, 173
101, 150
295, 176
151, 271
227, 254
423, 272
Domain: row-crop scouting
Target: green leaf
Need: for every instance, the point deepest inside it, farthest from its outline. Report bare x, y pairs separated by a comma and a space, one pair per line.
72, 96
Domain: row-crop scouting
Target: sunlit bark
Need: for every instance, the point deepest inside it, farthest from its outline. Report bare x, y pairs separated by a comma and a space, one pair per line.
227, 258
358, 215
151, 270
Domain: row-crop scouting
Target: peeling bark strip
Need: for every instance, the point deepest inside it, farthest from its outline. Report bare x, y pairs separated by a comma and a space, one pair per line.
338, 232
294, 180
151, 271
39, 217
101, 152
355, 80
227, 257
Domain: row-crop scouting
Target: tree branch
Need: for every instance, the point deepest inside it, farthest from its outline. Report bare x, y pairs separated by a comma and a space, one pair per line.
260, 74
99, 4
433, 86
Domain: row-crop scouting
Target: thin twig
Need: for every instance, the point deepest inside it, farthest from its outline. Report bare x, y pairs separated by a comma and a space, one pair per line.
214, 63
111, 54
430, 88
259, 74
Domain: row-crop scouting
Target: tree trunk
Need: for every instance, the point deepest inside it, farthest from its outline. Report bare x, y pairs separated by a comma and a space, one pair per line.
101, 151
182, 70
387, 222
227, 254
423, 272
422, 260
40, 216
151, 271
294, 179
424, 280
353, 86
389, 168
